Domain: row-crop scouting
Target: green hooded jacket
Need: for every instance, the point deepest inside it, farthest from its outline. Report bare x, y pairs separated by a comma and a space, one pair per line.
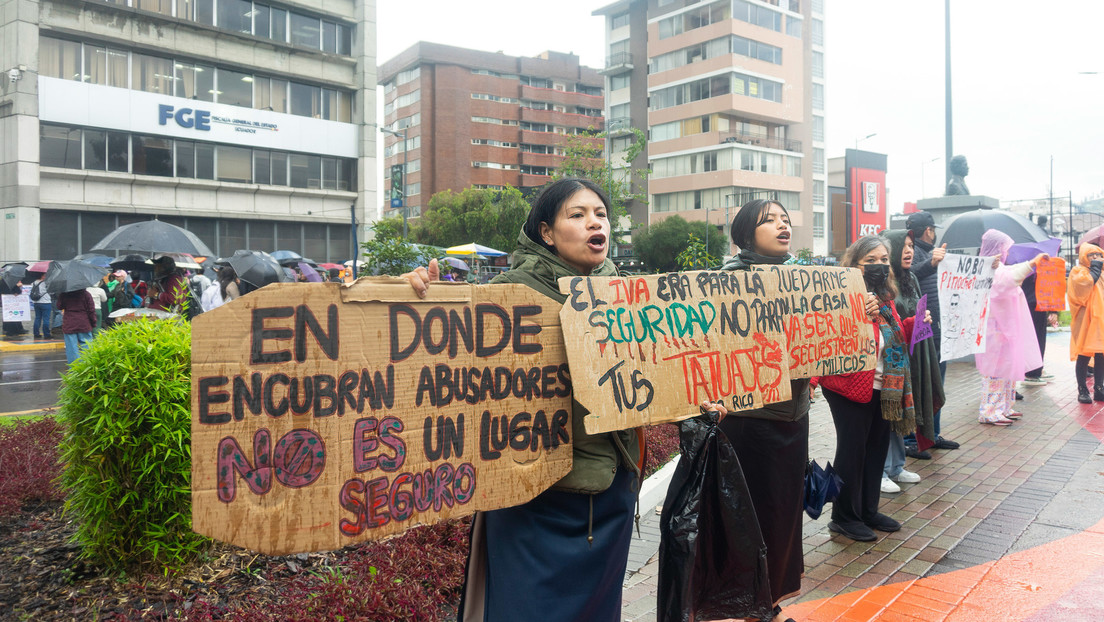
596, 456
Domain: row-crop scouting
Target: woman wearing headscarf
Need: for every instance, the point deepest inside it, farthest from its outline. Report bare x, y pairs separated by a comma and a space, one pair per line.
1085, 290
1011, 348
927, 385
868, 406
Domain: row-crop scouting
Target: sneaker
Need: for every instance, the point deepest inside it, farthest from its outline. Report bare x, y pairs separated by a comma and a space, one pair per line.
912, 452
1046, 376
904, 477
856, 531
889, 487
1034, 382
942, 443
881, 522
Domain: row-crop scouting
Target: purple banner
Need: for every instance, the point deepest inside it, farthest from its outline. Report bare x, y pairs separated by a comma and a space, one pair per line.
921, 330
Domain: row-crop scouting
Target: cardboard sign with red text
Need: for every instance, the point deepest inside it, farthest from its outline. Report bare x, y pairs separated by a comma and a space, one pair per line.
1050, 284
326, 414
646, 350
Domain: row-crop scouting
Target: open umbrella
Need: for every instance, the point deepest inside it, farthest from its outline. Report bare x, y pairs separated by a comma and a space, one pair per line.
310, 273
963, 232
153, 236
330, 266
96, 259
131, 263
13, 273
457, 263
1092, 236
39, 266
473, 249
257, 268
72, 275
182, 260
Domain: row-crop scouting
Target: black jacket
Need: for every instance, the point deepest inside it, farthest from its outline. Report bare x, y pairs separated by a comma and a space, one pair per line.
928, 275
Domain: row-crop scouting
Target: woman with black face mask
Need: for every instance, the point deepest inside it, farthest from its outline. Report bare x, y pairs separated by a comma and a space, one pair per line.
868, 405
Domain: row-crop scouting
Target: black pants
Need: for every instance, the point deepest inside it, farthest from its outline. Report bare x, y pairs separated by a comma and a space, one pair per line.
1039, 319
1082, 371
862, 441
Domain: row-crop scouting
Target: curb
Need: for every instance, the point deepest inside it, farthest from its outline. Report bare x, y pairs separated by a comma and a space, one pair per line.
31, 346
654, 489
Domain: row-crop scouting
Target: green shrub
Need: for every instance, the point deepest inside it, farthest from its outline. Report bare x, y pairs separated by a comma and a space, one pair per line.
125, 404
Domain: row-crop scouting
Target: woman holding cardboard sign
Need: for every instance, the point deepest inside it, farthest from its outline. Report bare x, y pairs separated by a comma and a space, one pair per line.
868, 406
561, 556
772, 442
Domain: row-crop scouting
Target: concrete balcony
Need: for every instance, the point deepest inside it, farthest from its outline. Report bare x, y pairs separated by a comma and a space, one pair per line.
760, 140
618, 63
562, 119
541, 159
534, 181
565, 98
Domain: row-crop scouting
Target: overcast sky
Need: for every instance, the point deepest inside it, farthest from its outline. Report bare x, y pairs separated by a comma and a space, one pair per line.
1020, 88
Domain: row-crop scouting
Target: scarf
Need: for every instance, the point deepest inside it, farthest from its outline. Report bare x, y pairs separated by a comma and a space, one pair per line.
897, 407
539, 268
746, 258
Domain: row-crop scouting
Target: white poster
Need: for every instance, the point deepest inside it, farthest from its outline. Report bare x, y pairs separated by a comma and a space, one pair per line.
870, 197
964, 283
17, 308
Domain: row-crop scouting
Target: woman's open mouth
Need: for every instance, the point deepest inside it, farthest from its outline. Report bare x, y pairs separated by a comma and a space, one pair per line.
597, 242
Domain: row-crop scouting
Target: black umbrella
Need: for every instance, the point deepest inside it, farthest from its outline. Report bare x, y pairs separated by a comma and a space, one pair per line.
285, 256
13, 273
131, 263
963, 232
96, 259
821, 486
257, 268
71, 276
153, 236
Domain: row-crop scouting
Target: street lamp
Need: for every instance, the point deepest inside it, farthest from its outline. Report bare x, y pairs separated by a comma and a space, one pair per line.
859, 140
401, 134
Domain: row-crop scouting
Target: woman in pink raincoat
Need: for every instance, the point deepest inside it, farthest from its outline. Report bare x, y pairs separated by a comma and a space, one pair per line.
1010, 344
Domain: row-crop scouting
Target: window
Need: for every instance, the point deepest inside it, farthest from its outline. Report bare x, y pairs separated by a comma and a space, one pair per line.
818, 128
305, 31
408, 76
818, 224
60, 146
58, 58
345, 107
793, 167
818, 192
185, 159
618, 21
306, 171
306, 101
270, 94
818, 96
151, 74
195, 82
235, 164
793, 26
152, 156
329, 173
344, 39
163, 7
95, 150
235, 88
818, 161
118, 152
205, 161
279, 25
202, 11
279, 169
818, 64
262, 167
818, 32
262, 21
329, 37
235, 15
620, 81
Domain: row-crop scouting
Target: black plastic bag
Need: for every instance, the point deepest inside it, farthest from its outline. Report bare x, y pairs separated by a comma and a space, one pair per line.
712, 560
821, 486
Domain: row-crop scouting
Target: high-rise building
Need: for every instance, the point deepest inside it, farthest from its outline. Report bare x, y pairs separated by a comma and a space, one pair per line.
243, 122
731, 94
466, 118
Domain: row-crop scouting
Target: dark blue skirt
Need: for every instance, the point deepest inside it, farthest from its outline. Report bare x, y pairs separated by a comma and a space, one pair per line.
538, 565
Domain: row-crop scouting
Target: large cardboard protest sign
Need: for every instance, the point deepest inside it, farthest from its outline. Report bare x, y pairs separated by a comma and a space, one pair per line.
964, 282
325, 414
1050, 284
646, 350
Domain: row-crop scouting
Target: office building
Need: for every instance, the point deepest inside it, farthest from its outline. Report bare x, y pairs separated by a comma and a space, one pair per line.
459, 118
244, 122
731, 94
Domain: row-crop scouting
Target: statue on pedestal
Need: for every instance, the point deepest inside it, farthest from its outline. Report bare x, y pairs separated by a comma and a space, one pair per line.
959, 170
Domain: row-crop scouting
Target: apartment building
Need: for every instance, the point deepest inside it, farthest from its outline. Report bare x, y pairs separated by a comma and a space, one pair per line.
731, 94
458, 118
241, 121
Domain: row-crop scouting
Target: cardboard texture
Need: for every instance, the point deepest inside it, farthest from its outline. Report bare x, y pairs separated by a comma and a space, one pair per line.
1050, 284
328, 414
647, 350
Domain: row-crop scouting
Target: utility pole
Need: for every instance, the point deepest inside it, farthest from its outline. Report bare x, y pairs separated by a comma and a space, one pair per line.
947, 94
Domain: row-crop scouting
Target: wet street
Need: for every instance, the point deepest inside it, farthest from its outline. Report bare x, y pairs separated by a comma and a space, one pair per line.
30, 380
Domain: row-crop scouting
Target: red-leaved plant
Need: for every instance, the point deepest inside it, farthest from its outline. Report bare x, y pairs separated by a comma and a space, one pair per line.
28, 463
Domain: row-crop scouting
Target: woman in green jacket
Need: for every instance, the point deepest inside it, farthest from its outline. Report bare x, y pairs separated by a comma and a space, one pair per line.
561, 556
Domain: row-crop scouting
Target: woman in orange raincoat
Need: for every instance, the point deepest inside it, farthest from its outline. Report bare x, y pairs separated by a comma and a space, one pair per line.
1085, 291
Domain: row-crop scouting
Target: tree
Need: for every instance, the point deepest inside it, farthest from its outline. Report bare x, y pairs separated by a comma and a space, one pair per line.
659, 245
584, 157
489, 217
388, 253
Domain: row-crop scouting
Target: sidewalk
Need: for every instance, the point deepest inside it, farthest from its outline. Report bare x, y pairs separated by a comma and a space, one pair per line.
1009, 527
27, 343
